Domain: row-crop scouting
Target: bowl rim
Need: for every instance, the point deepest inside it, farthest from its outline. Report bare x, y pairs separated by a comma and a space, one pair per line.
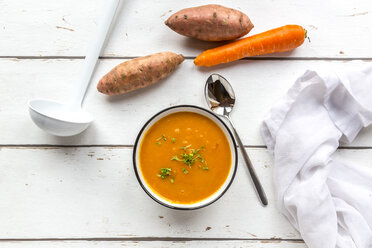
234, 167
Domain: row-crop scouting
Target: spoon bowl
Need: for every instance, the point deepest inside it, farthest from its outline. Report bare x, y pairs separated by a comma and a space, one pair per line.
220, 95
57, 118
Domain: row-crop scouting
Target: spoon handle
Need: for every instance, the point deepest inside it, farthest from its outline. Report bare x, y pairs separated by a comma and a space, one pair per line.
259, 189
94, 49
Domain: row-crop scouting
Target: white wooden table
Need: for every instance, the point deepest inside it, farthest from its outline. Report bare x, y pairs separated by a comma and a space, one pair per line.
81, 191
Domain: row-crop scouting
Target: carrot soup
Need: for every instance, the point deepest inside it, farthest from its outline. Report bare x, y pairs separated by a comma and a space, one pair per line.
185, 157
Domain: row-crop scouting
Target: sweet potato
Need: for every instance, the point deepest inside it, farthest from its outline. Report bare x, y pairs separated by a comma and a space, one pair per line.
210, 22
138, 73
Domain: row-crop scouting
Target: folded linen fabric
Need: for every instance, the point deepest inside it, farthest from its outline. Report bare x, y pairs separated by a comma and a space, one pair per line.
326, 200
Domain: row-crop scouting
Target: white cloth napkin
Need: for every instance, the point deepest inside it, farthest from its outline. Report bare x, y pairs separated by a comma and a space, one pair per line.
326, 200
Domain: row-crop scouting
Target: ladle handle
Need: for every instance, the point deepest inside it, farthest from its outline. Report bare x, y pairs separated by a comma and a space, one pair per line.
259, 189
93, 52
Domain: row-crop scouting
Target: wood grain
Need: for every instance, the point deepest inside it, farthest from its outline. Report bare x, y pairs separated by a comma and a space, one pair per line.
151, 244
118, 119
93, 193
90, 193
53, 28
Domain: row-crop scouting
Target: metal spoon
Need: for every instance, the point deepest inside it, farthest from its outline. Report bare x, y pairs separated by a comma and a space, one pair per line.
70, 119
220, 98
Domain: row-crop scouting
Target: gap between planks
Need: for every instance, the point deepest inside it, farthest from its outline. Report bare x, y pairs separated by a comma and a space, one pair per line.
51, 146
273, 240
192, 58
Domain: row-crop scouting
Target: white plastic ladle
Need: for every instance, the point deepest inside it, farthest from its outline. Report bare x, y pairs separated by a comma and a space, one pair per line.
70, 119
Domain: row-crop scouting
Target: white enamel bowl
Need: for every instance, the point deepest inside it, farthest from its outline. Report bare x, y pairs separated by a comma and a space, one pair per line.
185, 108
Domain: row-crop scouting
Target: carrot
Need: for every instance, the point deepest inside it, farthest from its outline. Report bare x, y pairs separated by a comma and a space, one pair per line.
281, 39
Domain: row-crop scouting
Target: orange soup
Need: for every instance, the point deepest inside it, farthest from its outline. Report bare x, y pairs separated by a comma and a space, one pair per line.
185, 157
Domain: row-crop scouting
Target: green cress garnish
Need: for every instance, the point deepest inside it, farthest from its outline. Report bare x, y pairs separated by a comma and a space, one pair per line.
161, 138
206, 166
164, 173
184, 147
176, 158
189, 158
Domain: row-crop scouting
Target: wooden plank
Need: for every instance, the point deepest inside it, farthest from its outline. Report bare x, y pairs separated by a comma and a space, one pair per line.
55, 28
151, 244
93, 193
258, 85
